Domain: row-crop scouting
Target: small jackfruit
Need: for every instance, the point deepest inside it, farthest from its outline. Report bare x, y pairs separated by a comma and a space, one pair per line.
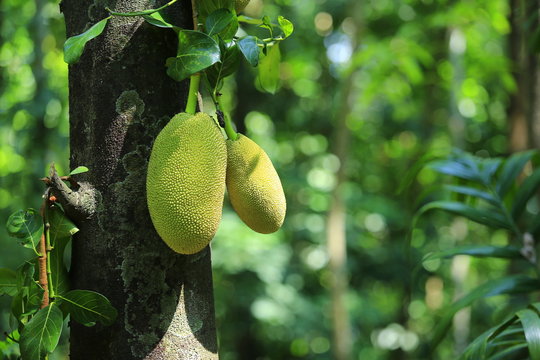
240, 5
185, 183
253, 186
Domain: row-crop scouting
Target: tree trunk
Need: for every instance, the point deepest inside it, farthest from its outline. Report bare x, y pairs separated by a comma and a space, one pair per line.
120, 98
336, 240
336, 227
532, 11
521, 135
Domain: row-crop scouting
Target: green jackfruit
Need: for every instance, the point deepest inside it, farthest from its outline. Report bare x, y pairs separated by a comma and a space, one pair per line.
240, 5
185, 184
254, 187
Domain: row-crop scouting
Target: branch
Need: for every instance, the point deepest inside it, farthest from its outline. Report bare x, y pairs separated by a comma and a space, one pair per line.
79, 200
43, 281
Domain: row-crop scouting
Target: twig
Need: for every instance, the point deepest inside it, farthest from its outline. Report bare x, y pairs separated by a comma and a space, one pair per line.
43, 255
79, 201
140, 13
11, 337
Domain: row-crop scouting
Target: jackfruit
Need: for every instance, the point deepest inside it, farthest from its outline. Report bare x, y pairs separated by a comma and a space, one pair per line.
240, 5
253, 186
185, 183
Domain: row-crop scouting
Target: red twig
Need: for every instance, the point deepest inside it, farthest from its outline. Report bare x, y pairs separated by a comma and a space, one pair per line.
43, 251
43, 282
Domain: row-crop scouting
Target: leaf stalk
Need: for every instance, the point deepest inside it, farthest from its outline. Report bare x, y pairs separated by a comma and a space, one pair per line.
140, 13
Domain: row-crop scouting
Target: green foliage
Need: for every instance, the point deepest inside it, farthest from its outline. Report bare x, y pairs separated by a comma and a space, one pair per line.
26, 225
38, 317
88, 307
74, 46
222, 23
484, 197
268, 71
8, 282
199, 50
157, 19
511, 337
78, 170
250, 49
196, 52
41, 334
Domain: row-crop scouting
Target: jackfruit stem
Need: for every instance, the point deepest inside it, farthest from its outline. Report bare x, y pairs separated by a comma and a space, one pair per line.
229, 130
194, 81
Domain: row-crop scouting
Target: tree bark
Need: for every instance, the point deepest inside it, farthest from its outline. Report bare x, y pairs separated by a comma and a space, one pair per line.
520, 111
532, 10
120, 98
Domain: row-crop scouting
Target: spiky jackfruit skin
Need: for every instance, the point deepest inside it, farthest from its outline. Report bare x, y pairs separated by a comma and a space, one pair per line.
240, 5
185, 183
253, 186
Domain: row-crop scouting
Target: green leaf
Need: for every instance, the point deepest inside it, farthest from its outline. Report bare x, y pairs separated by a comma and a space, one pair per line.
18, 307
249, 20
489, 217
40, 336
465, 190
506, 252
223, 22
269, 69
535, 307
59, 274
34, 298
286, 26
488, 168
531, 326
60, 225
88, 307
266, 23
249, 48
458, 168
8, 282
26, 225
74, 46
230, 56
196, 52
525, 191
507, 352
511, 169
517, 284
534, 226
414, 169
477, 348
29, 293
157, 19
207, 7
25, 274
78, 170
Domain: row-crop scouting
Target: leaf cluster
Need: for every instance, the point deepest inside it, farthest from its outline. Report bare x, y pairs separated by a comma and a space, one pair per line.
35, 327
493, 192
213, 48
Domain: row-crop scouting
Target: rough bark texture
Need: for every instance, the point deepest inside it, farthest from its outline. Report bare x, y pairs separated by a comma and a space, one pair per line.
120, 97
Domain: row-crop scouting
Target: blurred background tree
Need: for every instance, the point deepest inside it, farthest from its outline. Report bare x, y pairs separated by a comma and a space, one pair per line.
368, 87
